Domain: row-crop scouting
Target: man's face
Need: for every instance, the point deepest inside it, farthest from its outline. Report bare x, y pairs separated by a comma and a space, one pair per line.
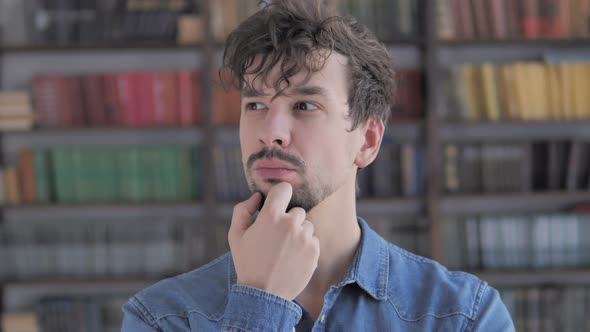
300, 136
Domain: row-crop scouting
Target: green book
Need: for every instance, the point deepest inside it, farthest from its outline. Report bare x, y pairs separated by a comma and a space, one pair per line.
61, 164
124, 165
111, 178
137, 187
197, 171
183, 170
42, 175
167, 174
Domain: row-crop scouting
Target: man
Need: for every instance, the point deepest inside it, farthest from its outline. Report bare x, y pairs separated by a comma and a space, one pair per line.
316, 92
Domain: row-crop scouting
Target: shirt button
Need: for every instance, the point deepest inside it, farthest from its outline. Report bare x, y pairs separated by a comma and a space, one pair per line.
323, 319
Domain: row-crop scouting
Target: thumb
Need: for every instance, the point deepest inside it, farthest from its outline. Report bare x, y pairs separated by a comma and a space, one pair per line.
242, 216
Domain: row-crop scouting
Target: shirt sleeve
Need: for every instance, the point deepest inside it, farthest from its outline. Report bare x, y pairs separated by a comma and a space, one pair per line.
136, 318
253, 309
492, 315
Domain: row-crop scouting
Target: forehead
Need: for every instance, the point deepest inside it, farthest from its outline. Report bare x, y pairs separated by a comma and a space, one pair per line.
332, 76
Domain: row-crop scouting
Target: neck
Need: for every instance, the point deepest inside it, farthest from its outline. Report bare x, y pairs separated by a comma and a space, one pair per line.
336, 226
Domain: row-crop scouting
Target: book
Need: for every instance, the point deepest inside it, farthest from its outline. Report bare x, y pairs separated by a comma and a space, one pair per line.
122, 99
19, 322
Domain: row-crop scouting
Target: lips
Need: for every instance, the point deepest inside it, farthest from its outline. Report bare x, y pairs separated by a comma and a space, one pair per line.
274, 169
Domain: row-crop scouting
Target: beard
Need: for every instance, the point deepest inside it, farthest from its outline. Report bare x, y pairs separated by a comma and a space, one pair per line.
306, 195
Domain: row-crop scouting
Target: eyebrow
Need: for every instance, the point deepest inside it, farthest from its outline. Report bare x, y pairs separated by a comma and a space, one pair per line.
296, 91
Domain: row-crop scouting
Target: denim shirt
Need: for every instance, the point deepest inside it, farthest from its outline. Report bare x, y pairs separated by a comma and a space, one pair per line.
386, 289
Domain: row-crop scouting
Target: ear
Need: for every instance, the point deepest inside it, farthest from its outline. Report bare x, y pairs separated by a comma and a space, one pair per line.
373, 135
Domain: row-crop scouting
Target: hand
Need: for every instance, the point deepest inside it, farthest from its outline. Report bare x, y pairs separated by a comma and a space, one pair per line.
278, 253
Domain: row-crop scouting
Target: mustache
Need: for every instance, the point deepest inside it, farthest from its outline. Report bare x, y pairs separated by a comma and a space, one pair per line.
277, 154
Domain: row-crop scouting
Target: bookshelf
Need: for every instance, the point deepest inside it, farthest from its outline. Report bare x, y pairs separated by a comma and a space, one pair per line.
429, 208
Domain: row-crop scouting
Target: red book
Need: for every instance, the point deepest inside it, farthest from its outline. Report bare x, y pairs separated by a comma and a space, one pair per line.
94, 92
143, 85
46, 100
565, 18
123, 89
76, 101
26, 172
465, 11
232, 107
530, 19
513, 19
499, 20
189, 98
408, 97
166, 110
481, 15
551, 24
112, 104
65, 98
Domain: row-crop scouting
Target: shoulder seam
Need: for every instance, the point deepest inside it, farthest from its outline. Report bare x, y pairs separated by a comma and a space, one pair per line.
150, 319
411, 256
483, 287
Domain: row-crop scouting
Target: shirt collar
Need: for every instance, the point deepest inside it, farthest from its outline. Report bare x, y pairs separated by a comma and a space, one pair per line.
370, 268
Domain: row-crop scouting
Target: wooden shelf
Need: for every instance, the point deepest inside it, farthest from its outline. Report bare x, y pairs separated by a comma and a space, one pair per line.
403, 131
366, 207
536, 278
410, 131
512, 202
515, 131
104, 211
96, 47
17, 140
82, 281
554, 43
515, 50
23, 295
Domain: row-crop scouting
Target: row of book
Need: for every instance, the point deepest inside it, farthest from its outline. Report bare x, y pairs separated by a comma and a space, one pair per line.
96, 174
161, 99
124, 99
409, 95
16, 110
32, 249
539, 309
513, 19
527, 91
390, 20
403, 231
517, 242
74, 22
68, 313
516, 167
398, 170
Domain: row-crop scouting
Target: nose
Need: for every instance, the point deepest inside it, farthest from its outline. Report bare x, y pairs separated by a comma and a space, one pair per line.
276, 129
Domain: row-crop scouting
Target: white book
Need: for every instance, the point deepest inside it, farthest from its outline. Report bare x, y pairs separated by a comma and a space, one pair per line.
524, 239
558, 242
489, 242
572, 240
512, 242
541, 241
473, 243
584, 241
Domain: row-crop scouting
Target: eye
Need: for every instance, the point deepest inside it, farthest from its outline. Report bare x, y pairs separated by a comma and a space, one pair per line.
254, 106
304, 106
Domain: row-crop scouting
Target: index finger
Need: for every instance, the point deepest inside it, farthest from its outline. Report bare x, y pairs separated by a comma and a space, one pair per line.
277, 200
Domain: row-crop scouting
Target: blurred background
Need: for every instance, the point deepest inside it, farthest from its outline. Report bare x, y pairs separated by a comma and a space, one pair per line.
120, 161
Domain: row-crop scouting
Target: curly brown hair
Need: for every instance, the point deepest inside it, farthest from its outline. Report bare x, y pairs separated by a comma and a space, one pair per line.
295, 34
